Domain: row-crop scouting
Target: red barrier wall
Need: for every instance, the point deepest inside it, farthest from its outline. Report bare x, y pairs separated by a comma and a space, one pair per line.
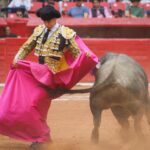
18, 26
91, 27
103, 27
139, 49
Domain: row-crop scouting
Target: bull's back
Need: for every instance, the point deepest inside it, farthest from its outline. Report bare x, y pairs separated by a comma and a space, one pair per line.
123, 72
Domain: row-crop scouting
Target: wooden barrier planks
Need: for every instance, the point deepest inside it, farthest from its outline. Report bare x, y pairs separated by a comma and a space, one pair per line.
138, 49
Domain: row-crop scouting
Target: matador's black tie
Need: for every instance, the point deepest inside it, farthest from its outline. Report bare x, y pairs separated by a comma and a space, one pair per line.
45, 36
41, 58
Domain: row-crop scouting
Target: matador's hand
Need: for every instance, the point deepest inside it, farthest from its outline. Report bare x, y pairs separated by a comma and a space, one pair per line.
15, 62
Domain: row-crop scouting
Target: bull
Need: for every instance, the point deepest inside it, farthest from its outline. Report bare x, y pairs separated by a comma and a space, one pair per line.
121, 84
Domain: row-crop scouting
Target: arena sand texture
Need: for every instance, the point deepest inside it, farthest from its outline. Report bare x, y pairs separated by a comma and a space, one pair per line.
71, 123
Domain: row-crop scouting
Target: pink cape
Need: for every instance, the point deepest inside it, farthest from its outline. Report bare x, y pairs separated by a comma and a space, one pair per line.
25, 101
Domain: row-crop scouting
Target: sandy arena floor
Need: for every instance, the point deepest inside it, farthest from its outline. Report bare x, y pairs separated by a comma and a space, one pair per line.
70, 121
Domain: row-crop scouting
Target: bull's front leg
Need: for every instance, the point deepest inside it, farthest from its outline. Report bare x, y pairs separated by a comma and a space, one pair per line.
147, 109
96, 121
137, 123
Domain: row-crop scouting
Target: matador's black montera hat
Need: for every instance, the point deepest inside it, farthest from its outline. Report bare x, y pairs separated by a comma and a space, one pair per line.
47, 13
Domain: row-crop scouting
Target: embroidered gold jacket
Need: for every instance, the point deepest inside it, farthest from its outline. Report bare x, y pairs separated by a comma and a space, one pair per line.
61, 40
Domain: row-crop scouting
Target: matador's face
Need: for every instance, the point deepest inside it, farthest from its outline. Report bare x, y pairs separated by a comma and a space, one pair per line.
50, 23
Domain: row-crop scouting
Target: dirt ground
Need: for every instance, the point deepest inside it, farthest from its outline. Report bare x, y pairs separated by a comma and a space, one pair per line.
70, 121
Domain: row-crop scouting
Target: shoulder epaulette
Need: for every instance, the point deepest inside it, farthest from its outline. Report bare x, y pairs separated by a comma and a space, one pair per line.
39, 29
67, 33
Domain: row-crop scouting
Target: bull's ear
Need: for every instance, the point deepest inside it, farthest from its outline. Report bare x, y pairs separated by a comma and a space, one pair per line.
98, 65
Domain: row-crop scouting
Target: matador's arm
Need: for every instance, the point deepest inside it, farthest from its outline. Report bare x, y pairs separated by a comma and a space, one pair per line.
74, 47
70, 35
28, 46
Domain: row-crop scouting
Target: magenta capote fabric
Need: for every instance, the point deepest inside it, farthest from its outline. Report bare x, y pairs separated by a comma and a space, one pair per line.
24, 102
